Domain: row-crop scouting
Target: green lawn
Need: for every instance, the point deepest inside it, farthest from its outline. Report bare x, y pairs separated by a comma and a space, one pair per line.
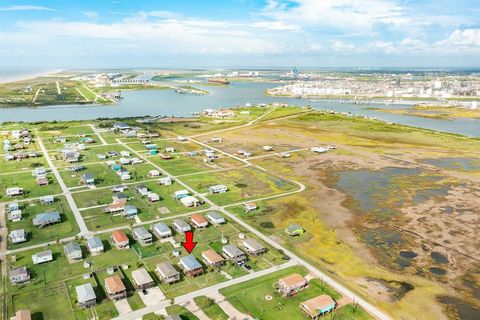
23, 165
249, 297
29, 185
211, 309
243, 184
182, 312
67, 227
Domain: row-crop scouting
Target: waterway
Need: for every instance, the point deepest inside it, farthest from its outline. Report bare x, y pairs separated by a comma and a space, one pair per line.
168, 102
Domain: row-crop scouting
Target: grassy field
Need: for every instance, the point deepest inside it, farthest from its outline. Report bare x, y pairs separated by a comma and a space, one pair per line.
66, 228
211, 309
29, 185
243, 184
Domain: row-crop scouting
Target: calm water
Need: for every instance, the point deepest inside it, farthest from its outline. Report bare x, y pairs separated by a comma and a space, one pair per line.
167, 102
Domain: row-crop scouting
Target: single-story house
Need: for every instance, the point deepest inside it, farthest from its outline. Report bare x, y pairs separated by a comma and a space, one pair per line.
45, 219
234, 254
95, 245
143, 236
167, 272
142, 279
215, 218
130, 211
15, 215
87, 178
19, 275
212, 258
47, 199
161, 230
294, 230
253, 247
120, 239
166, 181
13, 206
170, 149
153, 197
42, 257
73, 251
250, 206
198, 221
119, 198
267, 148
191, 266
291, 284
141, 189
181, 226
181, 194
153, 173
17, 236
14, 191
119, 188
86, 297
318, 306
40, 171
115, 288
219, 188
189, 201
115, 207
42, 181
22, 315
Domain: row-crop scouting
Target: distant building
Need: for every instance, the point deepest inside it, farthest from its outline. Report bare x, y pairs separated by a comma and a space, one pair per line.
234, 254
14, 191
87, 179
189, 201
17, 236
250, 206
212, 258
46, 219
294, 230
219, 188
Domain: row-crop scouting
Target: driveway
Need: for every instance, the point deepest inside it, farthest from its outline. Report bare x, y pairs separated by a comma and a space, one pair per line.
122, 306
154, 296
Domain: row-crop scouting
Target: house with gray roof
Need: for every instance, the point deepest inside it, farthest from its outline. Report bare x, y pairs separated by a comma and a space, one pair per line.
234, 254
73, 251
130, 211
45, 219
161, 230
253, 247
19, 275
215, 218
142, 279
87, 178
41, 257
143, 236
86, 297
167, 272
95, 245
181, 226
191, 266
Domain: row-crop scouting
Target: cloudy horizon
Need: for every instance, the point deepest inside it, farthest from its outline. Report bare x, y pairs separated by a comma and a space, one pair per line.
327, 33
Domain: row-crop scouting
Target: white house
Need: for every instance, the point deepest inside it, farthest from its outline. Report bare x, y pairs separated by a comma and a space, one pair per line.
166, 181
41, 257
181, 194
161, 230
189, 201
153, 173
219, 188
215, 218
152, 197
14, 191
181, 226
170, 149
17, 236
15, 215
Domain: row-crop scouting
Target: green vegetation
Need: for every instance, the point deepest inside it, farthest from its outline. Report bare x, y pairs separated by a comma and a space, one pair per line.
211, 309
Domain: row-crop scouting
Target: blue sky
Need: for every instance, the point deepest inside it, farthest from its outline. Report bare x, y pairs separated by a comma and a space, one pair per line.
317, 33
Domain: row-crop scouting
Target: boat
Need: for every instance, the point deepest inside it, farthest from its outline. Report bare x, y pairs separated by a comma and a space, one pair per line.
219, 81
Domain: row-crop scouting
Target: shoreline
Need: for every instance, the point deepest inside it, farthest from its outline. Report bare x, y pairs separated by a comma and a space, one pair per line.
17, 78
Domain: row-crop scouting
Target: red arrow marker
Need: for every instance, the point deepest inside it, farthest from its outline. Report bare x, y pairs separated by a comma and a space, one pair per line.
189, 244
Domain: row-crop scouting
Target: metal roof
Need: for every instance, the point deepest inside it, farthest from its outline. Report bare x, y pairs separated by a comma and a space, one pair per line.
85, 292
190, 262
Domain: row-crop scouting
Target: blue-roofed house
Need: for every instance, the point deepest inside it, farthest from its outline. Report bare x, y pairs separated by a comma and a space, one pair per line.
130, 211
46, 219
191, 266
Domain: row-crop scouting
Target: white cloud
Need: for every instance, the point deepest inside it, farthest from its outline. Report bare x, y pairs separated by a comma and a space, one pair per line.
25, 8
91, 14
275, 25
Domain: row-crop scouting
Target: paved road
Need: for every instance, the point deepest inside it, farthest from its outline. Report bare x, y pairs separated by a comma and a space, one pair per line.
66, 192
202, 292
95, 130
